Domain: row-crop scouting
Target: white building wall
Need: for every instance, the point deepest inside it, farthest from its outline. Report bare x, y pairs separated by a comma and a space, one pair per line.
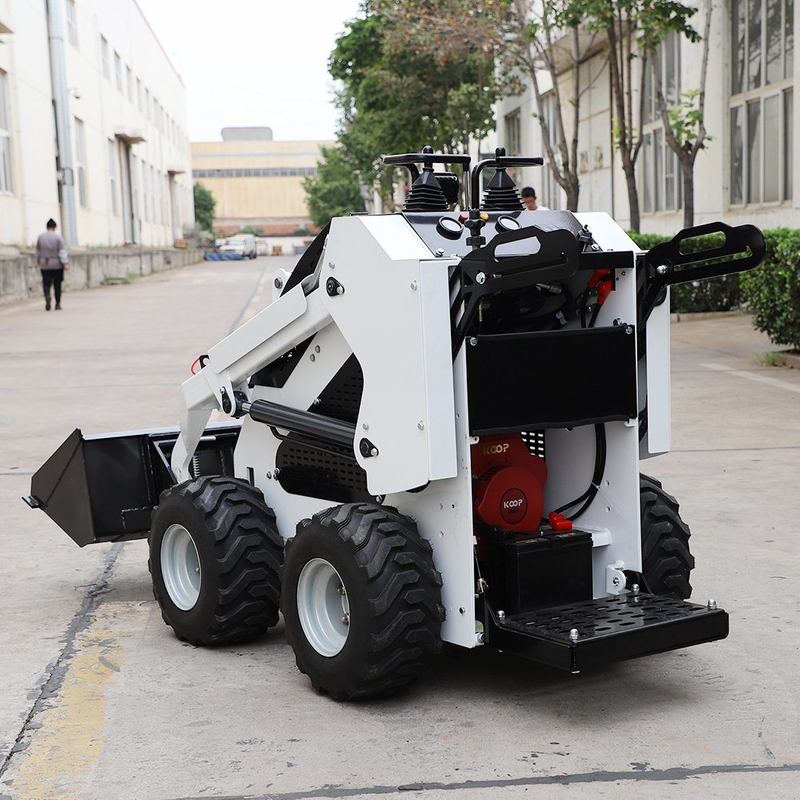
162, 193
603, 186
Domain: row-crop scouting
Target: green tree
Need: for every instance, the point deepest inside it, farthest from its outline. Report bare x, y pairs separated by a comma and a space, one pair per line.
204, 205
631, 27
334, 191
398, 93
684, 122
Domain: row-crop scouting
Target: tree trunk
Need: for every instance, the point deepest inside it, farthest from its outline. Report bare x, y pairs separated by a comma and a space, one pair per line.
572, 191
687, 173
633, 193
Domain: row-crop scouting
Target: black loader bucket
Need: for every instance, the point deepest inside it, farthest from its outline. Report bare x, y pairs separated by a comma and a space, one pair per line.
104, 488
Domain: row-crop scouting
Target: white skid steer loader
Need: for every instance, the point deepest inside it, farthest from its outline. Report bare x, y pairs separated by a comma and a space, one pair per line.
436, 432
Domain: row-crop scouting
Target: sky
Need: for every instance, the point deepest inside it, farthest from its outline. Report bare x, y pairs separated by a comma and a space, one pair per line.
253, 62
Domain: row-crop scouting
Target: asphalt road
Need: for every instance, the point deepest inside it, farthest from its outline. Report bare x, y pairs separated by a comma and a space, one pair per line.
99, 700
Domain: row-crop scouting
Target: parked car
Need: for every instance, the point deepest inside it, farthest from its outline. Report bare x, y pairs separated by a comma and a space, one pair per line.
245, 245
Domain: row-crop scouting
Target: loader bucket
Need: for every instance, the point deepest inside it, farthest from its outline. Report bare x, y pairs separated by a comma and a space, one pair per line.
104, 488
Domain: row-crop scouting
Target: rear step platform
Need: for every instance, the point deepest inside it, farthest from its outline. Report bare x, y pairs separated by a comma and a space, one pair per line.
608, 629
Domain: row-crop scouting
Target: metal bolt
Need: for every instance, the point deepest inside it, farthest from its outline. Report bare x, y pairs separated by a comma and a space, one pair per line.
481, 638
421, 425
346, 619
373, 452
341, 590
635, 588
573, 635
712, 605
662, 270
480, 278
269, 476
501, 615
317, 349
197, 570
317, 401
595, 247
276, 473
278, 283
313, 357
629, 330
439, 252
473, 340
332, 264
340, 289
414, 285
615, 580
365, 425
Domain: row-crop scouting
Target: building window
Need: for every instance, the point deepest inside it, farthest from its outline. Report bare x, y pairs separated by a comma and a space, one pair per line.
139, 94
5, 136
80, 160
147, 103
513, 133
129, 82
660, 174
104, 58
72, 23
761, 117
118, 70
112, 173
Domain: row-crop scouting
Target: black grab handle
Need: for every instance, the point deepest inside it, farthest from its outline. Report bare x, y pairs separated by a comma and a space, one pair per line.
666, 264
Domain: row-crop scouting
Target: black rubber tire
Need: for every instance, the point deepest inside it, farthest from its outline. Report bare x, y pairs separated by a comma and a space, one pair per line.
394, 595
240, 553
667, 562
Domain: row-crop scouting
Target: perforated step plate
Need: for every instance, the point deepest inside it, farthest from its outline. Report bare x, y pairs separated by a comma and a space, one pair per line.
609, 629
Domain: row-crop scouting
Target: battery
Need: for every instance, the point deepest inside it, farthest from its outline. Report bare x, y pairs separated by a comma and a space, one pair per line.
528, 573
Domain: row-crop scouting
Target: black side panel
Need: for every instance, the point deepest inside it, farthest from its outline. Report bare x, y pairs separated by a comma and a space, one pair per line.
521, 381
331, 473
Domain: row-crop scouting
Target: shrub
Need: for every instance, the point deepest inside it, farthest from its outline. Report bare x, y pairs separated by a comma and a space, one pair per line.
773, 289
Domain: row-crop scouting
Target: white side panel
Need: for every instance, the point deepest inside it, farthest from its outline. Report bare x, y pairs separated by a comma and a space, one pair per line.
443, 513
380, 314
659, 391
439, 392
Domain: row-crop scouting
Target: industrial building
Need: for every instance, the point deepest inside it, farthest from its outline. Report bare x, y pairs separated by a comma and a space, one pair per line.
747, 173
257, 181
92, 126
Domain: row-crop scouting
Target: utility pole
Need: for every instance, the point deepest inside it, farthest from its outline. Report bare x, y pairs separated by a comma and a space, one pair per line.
58, 74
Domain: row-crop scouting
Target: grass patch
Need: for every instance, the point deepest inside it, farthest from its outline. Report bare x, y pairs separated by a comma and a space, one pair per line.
771, 359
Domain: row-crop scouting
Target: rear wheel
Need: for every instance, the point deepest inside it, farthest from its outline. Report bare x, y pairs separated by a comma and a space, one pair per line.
215, 556
666, 559
361, 600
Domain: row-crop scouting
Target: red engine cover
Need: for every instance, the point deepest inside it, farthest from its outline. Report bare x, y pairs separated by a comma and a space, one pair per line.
510, 490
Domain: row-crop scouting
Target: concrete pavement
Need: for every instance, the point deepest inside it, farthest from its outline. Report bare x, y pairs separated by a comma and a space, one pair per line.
100, 700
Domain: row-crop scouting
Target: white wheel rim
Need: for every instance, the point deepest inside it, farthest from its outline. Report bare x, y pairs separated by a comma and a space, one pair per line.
323, 607
180, 567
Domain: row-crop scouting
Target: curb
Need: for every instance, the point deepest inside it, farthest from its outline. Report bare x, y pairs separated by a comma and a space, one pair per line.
696, 316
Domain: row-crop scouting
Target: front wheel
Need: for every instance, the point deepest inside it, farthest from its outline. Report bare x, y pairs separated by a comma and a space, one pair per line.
361, 600
215, 556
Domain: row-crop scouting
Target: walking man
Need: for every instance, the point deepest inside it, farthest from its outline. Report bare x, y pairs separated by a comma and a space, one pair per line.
52, 259
528, 195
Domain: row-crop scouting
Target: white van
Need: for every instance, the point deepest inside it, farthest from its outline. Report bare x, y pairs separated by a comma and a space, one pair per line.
244, 243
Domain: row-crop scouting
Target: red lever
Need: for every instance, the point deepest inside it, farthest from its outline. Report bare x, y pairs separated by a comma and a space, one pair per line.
558, 522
